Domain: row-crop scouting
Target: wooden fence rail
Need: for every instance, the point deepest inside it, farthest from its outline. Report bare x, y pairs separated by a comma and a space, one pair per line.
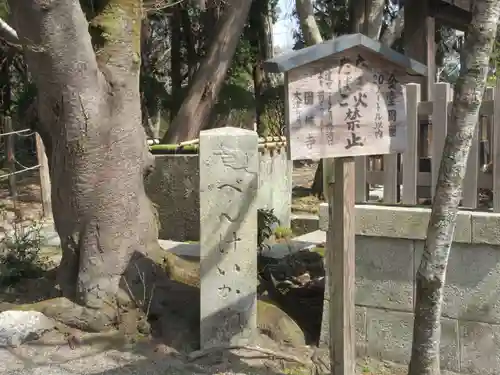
15, 168
483, 167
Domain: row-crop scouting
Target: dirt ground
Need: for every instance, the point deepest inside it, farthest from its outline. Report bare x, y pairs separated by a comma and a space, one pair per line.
279, 361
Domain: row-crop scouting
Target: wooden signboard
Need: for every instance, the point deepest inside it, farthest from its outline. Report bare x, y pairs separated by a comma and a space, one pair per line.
347, 105
344, 98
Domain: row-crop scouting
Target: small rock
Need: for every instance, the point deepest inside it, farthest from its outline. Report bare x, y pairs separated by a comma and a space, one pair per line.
18, 327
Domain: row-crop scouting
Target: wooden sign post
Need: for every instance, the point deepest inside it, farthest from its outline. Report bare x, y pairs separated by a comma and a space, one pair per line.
344, 98
340, 267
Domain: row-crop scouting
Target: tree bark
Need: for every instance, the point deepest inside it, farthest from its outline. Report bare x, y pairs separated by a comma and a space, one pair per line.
176, 60
374, 18
200, 4
192, 55
207, 82
259, 16
367, 17
430, 278
308, 24
394, 30
357, 15
90, 116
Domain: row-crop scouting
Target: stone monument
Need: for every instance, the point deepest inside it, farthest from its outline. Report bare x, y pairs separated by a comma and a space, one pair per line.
229, 165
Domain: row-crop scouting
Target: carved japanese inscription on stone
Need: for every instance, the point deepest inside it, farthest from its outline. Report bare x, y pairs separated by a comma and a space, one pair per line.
350, 105
228, 214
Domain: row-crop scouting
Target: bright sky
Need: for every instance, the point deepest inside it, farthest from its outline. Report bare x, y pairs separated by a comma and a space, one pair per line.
283, 28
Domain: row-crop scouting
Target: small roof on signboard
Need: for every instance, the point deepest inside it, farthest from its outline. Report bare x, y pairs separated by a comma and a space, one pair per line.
296, 59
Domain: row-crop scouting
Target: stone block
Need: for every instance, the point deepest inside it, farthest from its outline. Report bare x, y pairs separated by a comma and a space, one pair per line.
304, 223
318, 237
265, 181
282, 186
450, 345
174, 189
323, 216
361, 347
360, 329
480, 348
384, 273
486, 228
275, 184
229, 166
389, 337
397, 222
472, 290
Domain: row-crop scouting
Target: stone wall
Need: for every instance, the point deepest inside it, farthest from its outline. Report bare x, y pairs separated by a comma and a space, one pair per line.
389, 246
174, 189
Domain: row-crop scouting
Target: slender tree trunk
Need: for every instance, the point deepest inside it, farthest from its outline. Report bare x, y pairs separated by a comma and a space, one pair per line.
176, 60
147, 122
308, 23
145, 70
90, 114
374, 18
259, 15
202, 95
192, 55
268, 32
157, 119
367, 17
357, 16
213, 12
201, 4
430, 278
394, 30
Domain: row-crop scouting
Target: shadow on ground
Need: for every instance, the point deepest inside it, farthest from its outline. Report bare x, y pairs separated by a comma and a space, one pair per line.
173, 310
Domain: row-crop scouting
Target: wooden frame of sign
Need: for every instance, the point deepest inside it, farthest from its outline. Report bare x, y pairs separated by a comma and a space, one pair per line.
343, 99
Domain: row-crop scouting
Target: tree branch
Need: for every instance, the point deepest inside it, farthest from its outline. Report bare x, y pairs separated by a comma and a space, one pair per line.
8, 33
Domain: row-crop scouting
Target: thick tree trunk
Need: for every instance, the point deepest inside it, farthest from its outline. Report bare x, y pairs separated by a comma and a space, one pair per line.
90, 114
465, 111
202, 95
